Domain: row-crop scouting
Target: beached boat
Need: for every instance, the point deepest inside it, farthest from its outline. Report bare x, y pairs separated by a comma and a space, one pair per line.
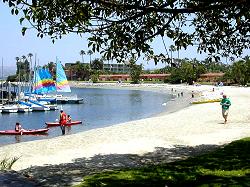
206, 101
53, 124
24, 132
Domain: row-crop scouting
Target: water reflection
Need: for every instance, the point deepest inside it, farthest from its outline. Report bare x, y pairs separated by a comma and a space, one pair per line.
68, 129
18, 138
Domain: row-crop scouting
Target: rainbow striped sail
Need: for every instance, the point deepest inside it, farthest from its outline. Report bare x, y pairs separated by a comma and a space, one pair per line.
43, 82
62, 84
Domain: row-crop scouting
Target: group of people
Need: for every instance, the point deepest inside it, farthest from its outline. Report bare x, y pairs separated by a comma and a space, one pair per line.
64, 119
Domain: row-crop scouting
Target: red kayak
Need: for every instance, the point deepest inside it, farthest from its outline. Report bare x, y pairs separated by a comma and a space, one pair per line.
53, 124
24, 132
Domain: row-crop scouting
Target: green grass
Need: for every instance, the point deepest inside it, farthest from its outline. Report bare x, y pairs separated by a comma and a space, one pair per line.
228, 166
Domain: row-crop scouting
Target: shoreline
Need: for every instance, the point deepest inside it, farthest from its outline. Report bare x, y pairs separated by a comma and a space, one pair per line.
182, 102
191, 126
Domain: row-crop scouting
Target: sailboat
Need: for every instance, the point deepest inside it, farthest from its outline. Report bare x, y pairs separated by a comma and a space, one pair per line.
62, 85
6, 108
43, 84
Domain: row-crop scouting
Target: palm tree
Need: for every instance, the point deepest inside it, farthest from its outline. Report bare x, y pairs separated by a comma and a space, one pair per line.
18, 67
24, 67
172, 49
82, 52
90, 53
30, 55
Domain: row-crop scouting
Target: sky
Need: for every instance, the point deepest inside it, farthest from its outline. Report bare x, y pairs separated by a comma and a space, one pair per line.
67, 49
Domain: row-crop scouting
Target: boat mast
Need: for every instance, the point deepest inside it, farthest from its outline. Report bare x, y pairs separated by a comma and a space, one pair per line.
30, 78
34, 80
2, 83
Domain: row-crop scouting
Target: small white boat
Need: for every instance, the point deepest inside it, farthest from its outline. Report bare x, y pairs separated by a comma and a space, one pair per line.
47, 104
39, 108
60, 99
9, 109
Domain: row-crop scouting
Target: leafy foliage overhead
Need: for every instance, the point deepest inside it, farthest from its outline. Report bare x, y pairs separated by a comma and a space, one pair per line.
123, 29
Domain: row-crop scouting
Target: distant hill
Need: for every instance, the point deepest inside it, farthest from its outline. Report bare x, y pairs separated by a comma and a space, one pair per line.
7, 70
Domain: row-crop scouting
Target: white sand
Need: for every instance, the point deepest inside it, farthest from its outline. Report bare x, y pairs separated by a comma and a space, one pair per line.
195, 125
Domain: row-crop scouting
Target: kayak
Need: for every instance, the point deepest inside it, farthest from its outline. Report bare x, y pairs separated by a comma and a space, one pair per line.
53, 124
24, 132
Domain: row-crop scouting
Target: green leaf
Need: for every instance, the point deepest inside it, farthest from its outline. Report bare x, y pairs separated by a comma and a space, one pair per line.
24, 30
21, 20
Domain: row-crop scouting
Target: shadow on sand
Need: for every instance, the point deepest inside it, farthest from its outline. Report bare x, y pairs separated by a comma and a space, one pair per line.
72, 173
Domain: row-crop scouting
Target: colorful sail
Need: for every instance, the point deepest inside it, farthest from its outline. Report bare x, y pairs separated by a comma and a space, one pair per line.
62, 84
47, 80
43, 82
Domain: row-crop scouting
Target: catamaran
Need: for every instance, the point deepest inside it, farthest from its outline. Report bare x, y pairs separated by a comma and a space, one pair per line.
62, 85
43, 83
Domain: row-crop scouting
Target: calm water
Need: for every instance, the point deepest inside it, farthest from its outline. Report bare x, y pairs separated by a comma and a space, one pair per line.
102, 107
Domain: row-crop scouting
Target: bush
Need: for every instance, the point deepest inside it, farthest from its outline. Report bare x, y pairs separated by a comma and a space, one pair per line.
7, 163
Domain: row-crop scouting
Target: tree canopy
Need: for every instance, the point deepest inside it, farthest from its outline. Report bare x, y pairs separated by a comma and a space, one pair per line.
124, 29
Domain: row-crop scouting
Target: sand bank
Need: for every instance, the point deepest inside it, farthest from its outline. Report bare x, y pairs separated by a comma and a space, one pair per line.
194, 125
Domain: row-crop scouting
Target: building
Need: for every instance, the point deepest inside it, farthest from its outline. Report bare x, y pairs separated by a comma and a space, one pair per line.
116, 68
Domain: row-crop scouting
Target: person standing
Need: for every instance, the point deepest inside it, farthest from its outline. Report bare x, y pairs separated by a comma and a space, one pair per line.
63, 121
225, 103
69, 119
18, 128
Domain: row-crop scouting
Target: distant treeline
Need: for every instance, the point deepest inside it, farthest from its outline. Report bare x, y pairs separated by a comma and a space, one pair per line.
181, 70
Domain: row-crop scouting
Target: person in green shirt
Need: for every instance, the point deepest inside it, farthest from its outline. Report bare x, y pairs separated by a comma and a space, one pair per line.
225, 103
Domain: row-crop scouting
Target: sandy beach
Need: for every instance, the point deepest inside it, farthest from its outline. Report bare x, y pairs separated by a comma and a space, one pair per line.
194, 125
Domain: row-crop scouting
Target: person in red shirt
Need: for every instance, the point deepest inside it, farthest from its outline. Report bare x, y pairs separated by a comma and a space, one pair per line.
63, 121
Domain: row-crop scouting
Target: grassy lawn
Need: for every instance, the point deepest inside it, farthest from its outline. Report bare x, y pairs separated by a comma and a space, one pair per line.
227, 166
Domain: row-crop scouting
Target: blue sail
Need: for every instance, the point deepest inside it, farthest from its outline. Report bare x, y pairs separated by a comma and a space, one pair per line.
62, 84
38, 87
47, 80
43, 82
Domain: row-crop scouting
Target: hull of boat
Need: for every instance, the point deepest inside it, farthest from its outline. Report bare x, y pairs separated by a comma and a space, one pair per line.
69, 101
24, 109
9, 109
24, 132
206, 101
54, 124
39, 108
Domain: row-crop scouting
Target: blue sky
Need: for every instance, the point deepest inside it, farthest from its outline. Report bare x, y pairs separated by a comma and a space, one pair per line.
13, 44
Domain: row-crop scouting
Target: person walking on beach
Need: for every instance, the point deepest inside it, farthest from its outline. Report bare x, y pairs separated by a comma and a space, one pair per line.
225, 103
63, 121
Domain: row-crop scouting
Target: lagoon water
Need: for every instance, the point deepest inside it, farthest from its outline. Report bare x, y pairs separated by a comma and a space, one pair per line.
101, 108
